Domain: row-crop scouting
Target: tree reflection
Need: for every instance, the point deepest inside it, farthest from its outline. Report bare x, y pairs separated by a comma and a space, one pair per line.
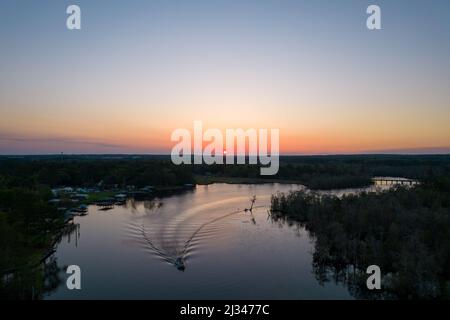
35, 283
31, 284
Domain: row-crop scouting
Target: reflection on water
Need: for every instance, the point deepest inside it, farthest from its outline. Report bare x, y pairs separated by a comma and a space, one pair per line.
39, 281
226, 252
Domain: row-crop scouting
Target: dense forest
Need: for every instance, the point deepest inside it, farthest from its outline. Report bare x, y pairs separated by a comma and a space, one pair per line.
28, 225
316, 172
405, 231
80, 172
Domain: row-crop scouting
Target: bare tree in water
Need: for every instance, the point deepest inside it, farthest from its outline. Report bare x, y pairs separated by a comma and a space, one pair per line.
252, 199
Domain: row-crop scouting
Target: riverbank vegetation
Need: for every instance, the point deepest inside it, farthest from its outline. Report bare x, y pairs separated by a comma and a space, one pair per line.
28, 225
405, 231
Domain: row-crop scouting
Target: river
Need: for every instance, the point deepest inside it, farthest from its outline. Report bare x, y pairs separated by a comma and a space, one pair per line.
131, 251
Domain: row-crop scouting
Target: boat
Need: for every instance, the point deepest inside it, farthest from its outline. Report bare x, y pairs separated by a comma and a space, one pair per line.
106, 207
107, 202
82, 207
81, 210
179, 264
120, 199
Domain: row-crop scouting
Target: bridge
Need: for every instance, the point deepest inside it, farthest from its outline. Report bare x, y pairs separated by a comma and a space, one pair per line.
391, 181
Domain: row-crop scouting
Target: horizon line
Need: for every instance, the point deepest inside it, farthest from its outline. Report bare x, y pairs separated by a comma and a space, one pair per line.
281, 155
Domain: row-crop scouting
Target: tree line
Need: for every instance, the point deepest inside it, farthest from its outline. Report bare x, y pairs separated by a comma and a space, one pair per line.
405, 231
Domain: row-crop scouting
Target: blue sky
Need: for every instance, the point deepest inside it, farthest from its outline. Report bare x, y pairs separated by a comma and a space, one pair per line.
139, 69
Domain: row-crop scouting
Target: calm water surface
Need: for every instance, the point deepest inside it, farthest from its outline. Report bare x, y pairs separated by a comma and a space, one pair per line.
129, 252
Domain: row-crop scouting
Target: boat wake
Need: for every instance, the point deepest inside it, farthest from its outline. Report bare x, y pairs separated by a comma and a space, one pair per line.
173, 238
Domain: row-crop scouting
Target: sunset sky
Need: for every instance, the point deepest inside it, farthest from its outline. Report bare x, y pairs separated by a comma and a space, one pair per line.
137, 70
